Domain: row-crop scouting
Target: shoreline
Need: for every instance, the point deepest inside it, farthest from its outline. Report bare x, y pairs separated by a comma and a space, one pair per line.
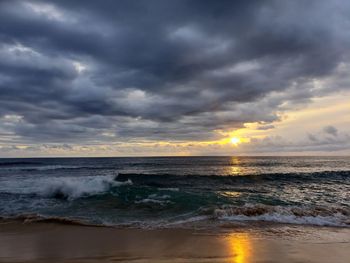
202, 222
57, 242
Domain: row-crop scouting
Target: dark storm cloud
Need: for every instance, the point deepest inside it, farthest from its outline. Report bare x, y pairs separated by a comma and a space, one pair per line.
74, 70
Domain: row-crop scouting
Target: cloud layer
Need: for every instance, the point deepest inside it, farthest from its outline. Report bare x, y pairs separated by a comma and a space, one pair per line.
91, 71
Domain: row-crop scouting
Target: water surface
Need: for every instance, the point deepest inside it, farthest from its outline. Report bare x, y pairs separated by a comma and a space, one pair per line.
175, 191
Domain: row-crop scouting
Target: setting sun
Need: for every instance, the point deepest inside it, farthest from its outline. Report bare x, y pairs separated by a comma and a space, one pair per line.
235, 140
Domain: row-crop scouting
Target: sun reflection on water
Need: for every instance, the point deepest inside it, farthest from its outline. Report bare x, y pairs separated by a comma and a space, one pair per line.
240, 246
240, 166
235, 167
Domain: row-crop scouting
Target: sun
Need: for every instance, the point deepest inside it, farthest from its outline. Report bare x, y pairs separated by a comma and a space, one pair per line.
235, 140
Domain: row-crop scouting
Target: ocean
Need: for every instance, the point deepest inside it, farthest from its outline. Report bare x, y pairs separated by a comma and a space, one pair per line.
165, 192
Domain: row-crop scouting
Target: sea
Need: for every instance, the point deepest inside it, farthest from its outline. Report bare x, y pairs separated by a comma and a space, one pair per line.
167, 192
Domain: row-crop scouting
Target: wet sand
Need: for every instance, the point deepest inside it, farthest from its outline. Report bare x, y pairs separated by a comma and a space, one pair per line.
51, 242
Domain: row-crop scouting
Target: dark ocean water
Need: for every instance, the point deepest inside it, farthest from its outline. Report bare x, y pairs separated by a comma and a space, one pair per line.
175, 191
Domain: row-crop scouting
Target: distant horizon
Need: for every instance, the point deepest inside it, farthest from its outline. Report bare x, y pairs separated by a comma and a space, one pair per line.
173, 156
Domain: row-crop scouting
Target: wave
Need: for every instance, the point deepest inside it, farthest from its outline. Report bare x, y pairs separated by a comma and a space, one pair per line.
72, 188
320, 216
167, 176
155, 199
202, 181
18, 163
29, 168
63, 187
209, 217
36, 218
238, 216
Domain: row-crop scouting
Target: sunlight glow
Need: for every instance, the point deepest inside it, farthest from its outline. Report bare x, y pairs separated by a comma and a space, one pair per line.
241, 247
235, 140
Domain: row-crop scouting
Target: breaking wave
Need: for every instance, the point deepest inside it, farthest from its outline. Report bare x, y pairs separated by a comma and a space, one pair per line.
36, 218
29, 167
64, 187
211, 217
72, 188
288, 215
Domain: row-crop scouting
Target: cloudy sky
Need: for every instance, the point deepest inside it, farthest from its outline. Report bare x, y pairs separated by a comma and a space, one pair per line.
184, 77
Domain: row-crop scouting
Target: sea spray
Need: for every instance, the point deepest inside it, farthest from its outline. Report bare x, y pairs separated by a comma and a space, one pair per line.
65, 187
72, 188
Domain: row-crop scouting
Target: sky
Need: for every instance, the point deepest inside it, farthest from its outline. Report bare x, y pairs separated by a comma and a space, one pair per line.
184, 77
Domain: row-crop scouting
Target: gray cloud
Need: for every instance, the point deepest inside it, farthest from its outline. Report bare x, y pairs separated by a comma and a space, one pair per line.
88, 71
319, 142
265, 127
330, 130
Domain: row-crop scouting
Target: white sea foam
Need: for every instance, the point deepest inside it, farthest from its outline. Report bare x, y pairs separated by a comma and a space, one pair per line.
181, 222
63, 187
77, 187
155, 199
53, 167
287, 215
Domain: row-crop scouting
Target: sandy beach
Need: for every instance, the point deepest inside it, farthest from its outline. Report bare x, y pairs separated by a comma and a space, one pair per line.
51, 242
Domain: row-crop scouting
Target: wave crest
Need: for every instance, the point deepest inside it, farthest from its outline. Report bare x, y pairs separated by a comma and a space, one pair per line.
291, 215
72, 188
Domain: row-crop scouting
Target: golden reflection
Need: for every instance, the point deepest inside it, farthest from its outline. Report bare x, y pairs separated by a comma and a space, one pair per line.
229, 193
235, 160
240, 246
235, 170
235, 167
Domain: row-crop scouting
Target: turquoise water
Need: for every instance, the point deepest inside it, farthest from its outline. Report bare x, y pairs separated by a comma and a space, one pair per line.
178, 191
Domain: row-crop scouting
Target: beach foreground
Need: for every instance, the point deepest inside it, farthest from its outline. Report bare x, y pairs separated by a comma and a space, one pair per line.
51, 242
